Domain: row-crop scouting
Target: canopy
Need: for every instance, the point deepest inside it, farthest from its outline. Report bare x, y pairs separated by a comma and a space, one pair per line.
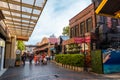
109, 8
21, 16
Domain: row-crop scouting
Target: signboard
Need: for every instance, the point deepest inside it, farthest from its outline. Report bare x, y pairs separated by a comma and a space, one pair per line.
17, 51
77, 40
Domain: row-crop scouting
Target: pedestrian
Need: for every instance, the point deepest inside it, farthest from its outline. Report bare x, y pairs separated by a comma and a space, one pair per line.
52, 55
38, 60
35, 58
31, 58
43, 57
23, 57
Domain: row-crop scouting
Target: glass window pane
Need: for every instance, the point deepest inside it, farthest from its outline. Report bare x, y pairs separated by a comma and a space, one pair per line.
16, 14
25, 16
3, 4
6, 12
8, 18
39, 3
25, 21
25, 9
14, 19
36, 11
17, 0
15, 7
28, 1
34, 17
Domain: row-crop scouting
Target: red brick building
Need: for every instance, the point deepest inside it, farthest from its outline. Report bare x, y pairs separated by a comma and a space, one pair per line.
81, 26
89, 31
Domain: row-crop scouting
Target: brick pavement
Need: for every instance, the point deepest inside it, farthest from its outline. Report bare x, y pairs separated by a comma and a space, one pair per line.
52, 72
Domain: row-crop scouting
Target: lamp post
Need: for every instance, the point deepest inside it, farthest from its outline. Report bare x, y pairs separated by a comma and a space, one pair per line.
85, 65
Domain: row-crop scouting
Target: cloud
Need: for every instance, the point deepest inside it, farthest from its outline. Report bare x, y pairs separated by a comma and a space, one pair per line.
55, 16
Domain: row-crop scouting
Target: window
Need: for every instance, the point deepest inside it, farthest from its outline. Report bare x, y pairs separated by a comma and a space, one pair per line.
82, 26
76, 31
89, 24
114, 22
71, 32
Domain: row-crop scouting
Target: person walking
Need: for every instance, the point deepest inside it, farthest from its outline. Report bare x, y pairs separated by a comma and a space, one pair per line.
23, 57
31, 58
35, 58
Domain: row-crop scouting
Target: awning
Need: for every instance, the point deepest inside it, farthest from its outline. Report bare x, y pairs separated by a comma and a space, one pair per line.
77, 40
21, 16
109, 8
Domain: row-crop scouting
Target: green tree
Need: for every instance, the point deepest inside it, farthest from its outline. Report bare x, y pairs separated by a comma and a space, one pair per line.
20, 45
66, 30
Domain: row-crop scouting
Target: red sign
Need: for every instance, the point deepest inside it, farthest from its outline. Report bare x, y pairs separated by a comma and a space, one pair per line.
77, 40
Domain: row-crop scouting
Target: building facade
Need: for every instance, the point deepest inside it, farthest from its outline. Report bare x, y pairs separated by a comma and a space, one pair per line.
46, 45
7, 46
89, 31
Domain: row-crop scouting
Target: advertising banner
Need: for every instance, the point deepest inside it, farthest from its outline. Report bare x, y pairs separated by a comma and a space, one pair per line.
111, 60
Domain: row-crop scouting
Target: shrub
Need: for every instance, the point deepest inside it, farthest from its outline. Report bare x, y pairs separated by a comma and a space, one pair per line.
96, 61
70, 59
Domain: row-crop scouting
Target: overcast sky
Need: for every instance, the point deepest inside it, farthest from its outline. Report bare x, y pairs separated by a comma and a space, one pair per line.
55, 16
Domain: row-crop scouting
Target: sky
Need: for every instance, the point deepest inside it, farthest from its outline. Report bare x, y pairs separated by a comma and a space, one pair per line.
55, 16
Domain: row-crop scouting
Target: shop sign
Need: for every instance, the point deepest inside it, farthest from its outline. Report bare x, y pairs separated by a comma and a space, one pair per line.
77, 40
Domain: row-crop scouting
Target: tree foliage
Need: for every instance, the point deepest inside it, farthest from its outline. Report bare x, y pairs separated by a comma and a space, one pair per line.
66, 31
20, 45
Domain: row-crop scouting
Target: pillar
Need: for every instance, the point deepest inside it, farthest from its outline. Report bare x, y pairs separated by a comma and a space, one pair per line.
10, 54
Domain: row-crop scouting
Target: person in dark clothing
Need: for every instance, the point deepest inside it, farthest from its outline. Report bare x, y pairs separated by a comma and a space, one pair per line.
23, 57
31, 58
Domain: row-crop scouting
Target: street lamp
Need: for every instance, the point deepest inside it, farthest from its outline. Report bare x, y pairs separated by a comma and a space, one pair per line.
85, 65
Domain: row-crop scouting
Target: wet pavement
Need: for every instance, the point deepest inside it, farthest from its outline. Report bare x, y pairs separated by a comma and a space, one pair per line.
52, 72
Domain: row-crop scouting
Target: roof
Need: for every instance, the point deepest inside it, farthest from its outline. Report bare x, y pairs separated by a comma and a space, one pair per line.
109, 8
21, 16
53, 40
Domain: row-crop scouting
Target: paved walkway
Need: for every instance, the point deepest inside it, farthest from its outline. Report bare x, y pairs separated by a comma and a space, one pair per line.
52, 72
